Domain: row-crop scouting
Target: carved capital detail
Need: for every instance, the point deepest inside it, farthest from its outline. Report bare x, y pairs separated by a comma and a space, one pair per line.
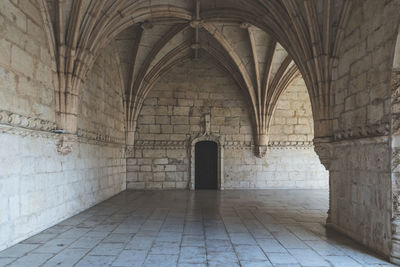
65, 143
261, 151
262, 145
324, 149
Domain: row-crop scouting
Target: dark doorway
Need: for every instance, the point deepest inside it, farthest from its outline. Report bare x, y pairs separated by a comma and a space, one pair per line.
206, 165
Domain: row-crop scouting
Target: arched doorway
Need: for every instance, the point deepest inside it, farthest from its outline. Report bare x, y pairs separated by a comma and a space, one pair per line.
206, 165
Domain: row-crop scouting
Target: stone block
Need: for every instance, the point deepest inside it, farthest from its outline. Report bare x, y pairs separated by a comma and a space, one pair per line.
5, 51
168, 185
181, 111
163, 120
162, 161
177, 120
159, 176
181, 129
156, 153
22, 61
166, 129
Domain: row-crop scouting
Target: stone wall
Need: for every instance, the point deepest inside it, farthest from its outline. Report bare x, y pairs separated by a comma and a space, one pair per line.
26, 67
292, 120
360, 169
173, 115
38, 186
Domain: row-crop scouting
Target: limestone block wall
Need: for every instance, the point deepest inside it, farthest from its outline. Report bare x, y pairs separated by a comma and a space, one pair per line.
38, 186
292, 120
174, 112
26, 67
360, 169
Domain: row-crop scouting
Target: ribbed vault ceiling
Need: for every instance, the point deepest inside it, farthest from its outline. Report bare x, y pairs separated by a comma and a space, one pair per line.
260, 65
242, 35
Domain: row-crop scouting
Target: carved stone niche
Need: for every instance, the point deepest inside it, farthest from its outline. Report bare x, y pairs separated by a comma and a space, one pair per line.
324, 149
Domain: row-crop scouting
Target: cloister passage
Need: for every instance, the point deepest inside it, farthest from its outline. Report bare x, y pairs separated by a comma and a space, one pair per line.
104, 106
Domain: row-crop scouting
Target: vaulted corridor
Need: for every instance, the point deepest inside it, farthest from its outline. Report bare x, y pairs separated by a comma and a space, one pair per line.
300, 100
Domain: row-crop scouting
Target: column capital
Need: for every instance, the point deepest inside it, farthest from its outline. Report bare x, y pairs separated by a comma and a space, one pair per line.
324, 149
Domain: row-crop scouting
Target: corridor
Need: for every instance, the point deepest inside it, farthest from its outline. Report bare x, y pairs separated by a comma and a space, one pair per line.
196, 228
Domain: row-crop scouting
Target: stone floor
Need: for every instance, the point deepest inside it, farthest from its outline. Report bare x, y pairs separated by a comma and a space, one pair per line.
202, 228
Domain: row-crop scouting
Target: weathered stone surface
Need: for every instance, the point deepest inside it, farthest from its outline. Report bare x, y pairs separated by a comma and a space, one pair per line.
38, 186
281, 168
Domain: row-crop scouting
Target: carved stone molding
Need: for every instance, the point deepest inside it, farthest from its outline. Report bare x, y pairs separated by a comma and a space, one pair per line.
363, 132
240, 145
100, 137
25, 126
277, 145
17, 120
272, 145
160, 144
25, 132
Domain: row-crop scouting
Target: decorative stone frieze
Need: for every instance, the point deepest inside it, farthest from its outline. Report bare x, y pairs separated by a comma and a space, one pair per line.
98, 136
290, 145
363, 131
160, 144
18, 120
272, 145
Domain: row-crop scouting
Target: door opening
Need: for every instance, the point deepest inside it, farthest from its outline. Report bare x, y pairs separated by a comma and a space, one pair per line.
206, 165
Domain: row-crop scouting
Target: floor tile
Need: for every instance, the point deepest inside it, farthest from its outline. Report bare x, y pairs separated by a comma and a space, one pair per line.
130, 258
281, 258
95, 261
192, 255
107, 249
54, 246
193, 241
166, 248
66, 258
308, 257
202, 228
249, 253
32, 259
271, 245
154, 260
17, 250
342, 261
